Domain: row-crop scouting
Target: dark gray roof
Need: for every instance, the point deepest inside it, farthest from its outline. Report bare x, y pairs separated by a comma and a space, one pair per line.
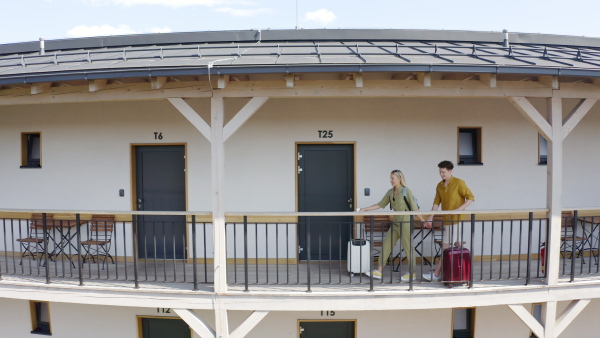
298, 51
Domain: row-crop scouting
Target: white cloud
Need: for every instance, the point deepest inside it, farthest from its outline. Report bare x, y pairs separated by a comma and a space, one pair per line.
322, 16
167, 3
244, 12
105, 30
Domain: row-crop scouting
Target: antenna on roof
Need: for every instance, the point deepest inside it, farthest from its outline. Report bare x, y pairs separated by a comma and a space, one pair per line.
42, 47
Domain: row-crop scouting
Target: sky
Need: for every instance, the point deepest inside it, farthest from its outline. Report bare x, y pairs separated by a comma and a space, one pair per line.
28, 20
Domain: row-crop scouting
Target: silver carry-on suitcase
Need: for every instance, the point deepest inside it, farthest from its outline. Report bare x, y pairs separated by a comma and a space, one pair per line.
359, 253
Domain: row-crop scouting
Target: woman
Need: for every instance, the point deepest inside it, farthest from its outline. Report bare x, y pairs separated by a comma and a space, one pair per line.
401, 224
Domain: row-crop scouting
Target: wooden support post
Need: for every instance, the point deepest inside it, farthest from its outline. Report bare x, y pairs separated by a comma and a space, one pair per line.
554, 188
549, 319
217, 111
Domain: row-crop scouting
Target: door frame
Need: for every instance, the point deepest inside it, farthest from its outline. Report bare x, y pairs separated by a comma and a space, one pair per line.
133, 180
324, 143
141, 331
300, 321
353, 143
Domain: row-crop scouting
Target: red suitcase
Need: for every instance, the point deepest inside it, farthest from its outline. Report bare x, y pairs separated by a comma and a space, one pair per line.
456, 267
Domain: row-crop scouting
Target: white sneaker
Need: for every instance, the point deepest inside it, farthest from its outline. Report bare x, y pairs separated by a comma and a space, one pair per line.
431, 277
406, 277
375, 274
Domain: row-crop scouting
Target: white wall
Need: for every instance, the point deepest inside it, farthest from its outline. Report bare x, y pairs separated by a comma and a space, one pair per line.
86, 151
500, 322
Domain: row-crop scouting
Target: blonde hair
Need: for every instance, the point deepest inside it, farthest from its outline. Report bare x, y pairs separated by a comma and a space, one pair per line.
400, 176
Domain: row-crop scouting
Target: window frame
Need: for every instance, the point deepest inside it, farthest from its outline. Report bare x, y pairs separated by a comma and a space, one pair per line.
475, 135
469, 332
542, 159
38, 326
27, 144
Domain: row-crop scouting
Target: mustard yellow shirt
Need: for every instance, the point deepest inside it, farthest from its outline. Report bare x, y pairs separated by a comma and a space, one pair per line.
452, 196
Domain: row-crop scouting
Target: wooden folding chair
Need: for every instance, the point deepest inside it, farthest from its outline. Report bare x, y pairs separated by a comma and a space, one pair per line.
33, 244
98, 243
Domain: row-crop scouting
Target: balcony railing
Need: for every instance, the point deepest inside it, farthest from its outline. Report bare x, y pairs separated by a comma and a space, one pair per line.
295, 251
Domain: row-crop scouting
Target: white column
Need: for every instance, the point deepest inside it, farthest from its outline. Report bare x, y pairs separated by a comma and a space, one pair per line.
554, 188
549, 319
217, 109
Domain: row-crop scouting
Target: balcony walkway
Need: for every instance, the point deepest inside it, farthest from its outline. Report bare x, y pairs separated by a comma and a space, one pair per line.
331, 276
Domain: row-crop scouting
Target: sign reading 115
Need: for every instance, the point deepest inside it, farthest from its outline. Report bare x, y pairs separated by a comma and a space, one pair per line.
325, 133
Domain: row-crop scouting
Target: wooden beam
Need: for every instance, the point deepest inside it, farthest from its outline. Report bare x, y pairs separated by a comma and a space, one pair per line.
222, 82
358, 80
532, 115
554, 190
488, 80
424, 79
549, 319
243, 115
569, 313
39, 88
158, 82
527, 319
192, 116
549, 81
217, 113
196, 323
576, 115
248, 324
289, 80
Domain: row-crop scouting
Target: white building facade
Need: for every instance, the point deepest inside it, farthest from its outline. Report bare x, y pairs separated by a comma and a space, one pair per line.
289, 129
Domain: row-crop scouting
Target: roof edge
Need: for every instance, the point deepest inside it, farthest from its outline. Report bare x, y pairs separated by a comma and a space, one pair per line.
298, 35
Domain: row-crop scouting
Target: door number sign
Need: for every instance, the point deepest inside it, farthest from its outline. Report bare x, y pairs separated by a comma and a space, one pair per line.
325, 133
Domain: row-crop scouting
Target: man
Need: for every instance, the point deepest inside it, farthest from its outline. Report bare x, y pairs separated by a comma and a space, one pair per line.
452, 194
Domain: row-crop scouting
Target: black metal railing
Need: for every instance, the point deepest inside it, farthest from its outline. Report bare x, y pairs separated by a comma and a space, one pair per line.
579, 243
498, 250
312, 251
90, 250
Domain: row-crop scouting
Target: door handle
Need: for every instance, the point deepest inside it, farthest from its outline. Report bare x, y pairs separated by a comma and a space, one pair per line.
350, 200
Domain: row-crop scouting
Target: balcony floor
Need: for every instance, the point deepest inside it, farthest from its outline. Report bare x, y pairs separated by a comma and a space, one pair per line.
330, 276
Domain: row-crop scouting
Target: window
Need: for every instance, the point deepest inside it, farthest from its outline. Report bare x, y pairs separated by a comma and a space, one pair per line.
31, 150
463, 323
542, 150
469, 146
40, 318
